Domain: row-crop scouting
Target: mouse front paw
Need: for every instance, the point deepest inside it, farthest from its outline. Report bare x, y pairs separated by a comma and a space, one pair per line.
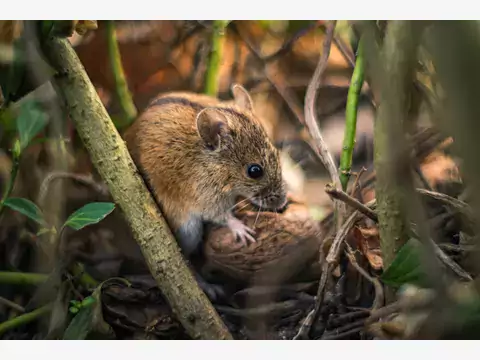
241, 231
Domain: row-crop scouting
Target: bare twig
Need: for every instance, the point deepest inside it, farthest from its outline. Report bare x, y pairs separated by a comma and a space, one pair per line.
12, 305
350, 201
452, 265
336, 247
320, 146
86, 180
379, 295
312, 315
356, 183
458, 205
345, 51
275, 78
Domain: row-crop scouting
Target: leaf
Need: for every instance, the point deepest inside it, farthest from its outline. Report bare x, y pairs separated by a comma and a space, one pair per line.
27, 208
368, 241
30, 122
98, 322
89, 214
406, 267
81, 324
89, 317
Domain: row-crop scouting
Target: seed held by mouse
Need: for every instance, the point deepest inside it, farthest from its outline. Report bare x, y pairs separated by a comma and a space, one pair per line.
198, 155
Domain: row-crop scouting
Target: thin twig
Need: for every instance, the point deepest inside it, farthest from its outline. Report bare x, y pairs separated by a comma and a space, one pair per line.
336, 247
86, 180
379, 294
274, 77
320, 146
447, 261
23, 319
356, 183
302, 333
350, 201
346, 53
12, 305
458, 205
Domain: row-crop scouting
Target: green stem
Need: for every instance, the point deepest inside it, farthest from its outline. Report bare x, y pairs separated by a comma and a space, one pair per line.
351, 118
11, 180
121, 85
20, 278
218, 39
23, 319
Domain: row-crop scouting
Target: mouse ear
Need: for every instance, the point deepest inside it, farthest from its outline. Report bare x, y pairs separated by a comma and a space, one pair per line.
242, 97
211, 126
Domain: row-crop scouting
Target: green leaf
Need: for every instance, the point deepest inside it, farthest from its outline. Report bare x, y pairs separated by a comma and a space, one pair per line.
89, 214
81, 324
406, 267
30, 122
27, 208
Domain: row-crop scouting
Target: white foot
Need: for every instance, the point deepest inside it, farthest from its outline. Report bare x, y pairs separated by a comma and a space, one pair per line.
241, 231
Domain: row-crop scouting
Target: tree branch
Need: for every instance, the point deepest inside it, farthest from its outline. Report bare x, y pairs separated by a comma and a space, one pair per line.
114, 163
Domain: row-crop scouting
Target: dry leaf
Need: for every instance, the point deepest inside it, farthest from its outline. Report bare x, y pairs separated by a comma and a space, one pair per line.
368, 241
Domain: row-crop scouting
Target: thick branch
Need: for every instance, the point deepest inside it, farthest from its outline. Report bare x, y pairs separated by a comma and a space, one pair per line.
392, 166
113, 162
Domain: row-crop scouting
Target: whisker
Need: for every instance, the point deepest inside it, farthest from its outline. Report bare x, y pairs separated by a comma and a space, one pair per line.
241, 201
243, 207
258, 214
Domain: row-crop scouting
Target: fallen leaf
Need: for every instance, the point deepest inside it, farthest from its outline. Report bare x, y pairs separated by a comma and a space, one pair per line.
368, 241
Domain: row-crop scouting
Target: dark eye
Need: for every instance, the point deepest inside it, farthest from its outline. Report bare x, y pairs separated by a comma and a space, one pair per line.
255, 171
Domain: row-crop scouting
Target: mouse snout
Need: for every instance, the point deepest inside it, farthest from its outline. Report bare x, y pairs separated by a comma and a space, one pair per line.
276, 201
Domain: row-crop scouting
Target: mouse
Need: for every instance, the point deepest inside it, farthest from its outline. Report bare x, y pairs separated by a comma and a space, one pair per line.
198, 155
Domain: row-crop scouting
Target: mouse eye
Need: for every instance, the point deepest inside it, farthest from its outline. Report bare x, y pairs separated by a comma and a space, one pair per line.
255, 171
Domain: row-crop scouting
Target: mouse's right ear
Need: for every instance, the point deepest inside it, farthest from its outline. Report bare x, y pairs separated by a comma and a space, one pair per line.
212, 126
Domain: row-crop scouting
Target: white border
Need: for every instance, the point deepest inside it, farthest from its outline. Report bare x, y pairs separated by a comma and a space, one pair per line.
233, 350
240, 10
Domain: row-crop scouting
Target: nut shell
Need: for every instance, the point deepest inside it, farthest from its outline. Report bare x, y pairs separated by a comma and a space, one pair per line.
286, 244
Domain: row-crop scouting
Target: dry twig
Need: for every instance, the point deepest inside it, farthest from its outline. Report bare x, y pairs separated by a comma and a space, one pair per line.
350, 201
320, 146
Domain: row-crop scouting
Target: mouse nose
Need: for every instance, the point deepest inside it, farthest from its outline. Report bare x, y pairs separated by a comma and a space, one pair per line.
276, 201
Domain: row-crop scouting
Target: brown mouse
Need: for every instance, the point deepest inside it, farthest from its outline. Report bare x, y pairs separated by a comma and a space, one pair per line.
198, 155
